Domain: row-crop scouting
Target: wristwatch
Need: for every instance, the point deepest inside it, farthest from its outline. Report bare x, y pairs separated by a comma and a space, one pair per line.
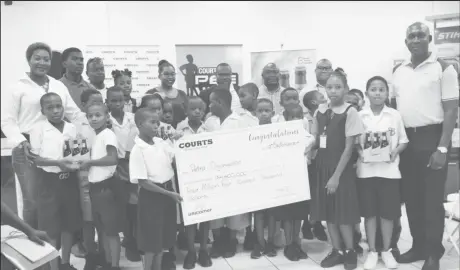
443, 150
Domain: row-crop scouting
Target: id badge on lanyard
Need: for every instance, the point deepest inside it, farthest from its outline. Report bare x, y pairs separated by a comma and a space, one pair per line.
323, 137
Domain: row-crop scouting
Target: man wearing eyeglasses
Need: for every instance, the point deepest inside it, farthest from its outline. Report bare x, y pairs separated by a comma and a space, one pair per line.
323, 71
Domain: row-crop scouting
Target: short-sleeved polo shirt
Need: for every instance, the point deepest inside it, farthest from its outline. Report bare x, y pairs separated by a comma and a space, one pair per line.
125, 133
420, 91
76, 88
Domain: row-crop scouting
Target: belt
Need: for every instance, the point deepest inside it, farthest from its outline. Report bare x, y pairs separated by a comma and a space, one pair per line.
427, 128
60, 175
165, 185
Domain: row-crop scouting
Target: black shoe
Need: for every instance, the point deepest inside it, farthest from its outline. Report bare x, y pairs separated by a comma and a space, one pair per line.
132, 254
66, 266
182, 241
306, 230
300, 253
319, 231
332, 259
431, 264
230, 249
216, 249
270, 250
169, 261
249, 240
203, 259
91, 262
291, 253
350, 260
411, 256
257, 251
190, 260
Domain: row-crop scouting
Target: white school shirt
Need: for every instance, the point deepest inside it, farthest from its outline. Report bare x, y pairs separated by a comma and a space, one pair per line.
247, 119
125, 133
275, 97
21, 108
212, 123
184, 128
48, 142
151, 162
236, 121
236, 104
99, 150
388, 120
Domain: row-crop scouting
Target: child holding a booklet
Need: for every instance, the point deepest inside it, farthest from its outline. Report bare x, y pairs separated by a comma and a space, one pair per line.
59, 212
379, 181
157, 200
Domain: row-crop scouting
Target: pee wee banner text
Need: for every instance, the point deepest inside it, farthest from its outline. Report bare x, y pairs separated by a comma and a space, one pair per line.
196, 65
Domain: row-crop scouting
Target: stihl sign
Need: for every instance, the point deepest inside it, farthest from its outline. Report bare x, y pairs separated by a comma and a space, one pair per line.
447, 35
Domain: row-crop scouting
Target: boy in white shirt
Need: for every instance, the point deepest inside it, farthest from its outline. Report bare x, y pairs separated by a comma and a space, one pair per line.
157, 200
105, 190
288, 97
193, 125
221, 100
58, 195
86, 134
125, 130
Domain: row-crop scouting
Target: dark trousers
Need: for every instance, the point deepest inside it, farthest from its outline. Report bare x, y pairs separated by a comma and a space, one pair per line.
423, 190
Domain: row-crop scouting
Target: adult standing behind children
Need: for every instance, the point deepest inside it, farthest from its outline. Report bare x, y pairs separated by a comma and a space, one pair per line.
271, 88
21, 110
323, 70
177, 97
427, 93
73, 63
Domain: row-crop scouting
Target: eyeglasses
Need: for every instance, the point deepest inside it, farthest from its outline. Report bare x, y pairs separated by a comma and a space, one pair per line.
324, 68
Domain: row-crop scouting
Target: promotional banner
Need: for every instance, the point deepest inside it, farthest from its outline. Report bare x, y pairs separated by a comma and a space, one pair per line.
447, 35
297, 67
221, 173
142, 61
196, 65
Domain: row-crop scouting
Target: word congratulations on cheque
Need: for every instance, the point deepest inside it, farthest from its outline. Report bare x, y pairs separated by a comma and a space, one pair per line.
232, 172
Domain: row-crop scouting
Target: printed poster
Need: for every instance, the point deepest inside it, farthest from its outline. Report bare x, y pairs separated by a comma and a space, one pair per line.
142, 61
297, 67
196, 65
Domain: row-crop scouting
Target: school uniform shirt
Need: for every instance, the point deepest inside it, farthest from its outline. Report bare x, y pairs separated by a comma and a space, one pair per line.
85, 132
130, 105
48, 142
151, 162
184, 128
103, 92
99, 150
21, 108
235, 121
388, 120
279, 118
125, 133
76, 88
212, 123
275, 97
246, 116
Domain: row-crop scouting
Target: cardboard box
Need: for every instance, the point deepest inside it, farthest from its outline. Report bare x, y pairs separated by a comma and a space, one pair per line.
377, 147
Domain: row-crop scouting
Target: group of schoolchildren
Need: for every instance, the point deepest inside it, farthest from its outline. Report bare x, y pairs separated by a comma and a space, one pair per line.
128, 181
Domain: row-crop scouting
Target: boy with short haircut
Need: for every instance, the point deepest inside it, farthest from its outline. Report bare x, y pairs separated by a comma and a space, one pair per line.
157, 199
360, 96
193, 125
86, 136
221, 100
312, 100
264, 112
125, 130
105, 192
288, 97
59, 200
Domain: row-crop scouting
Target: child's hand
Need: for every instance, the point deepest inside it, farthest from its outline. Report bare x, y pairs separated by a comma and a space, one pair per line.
176, 136
176, 197
85, 165
394, 154
332, 185
67, 165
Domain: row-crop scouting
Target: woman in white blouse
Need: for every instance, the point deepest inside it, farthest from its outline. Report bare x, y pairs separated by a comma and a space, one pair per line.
21, 110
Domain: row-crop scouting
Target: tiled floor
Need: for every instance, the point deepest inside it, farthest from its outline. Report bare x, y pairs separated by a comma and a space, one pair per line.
316, 251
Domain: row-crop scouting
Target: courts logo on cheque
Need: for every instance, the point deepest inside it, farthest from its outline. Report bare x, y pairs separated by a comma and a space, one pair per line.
194, 144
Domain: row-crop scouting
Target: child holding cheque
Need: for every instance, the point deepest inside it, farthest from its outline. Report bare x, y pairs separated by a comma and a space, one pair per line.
293, 214
193, 125
334, 198
378, 170
157, 200
59, 213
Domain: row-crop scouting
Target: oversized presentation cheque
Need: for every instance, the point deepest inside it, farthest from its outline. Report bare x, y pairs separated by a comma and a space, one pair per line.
227, 173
